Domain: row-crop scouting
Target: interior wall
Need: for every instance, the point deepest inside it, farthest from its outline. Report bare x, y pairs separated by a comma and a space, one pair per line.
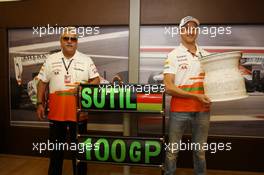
29, 13
207, 11
33, 13
3, 88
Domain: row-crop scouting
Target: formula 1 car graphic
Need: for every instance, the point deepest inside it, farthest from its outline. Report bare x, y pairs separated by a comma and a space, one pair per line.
24, 85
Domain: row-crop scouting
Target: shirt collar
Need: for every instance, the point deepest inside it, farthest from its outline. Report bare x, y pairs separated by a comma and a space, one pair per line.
75, 56
183, 48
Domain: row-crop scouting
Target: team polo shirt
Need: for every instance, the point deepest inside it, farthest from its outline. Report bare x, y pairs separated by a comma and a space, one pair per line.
62, 99
189, 77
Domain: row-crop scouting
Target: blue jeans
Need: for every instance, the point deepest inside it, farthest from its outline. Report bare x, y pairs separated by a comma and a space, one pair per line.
177, 124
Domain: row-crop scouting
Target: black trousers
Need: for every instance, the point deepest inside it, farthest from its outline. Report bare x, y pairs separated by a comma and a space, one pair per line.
62, 132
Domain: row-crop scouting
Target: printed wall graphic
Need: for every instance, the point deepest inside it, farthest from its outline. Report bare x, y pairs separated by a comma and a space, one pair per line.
109, 50
108, 47
228, 118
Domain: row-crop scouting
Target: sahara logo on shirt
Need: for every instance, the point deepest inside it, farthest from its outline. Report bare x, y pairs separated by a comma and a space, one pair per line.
56, 71
184, 66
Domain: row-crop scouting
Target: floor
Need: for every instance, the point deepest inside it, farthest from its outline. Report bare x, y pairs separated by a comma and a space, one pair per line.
25, 165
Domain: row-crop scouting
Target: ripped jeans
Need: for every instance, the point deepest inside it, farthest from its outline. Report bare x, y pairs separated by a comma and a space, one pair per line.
177, 124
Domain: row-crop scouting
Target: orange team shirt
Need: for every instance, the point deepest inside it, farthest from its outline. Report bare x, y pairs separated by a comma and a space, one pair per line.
189, 77
62, 83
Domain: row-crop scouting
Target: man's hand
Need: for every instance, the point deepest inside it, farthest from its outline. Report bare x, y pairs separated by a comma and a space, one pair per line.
40, 112
40, 98
203, 98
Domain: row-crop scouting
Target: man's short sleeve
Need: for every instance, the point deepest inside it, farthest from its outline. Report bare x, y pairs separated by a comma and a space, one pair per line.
92, 69
170, 66
44, 73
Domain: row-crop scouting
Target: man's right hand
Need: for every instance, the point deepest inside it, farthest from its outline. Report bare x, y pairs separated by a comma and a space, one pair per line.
40, 112
203, 98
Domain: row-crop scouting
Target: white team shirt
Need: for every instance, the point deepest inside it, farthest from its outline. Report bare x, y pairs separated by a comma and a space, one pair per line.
80, 70
189, 76
184, 65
